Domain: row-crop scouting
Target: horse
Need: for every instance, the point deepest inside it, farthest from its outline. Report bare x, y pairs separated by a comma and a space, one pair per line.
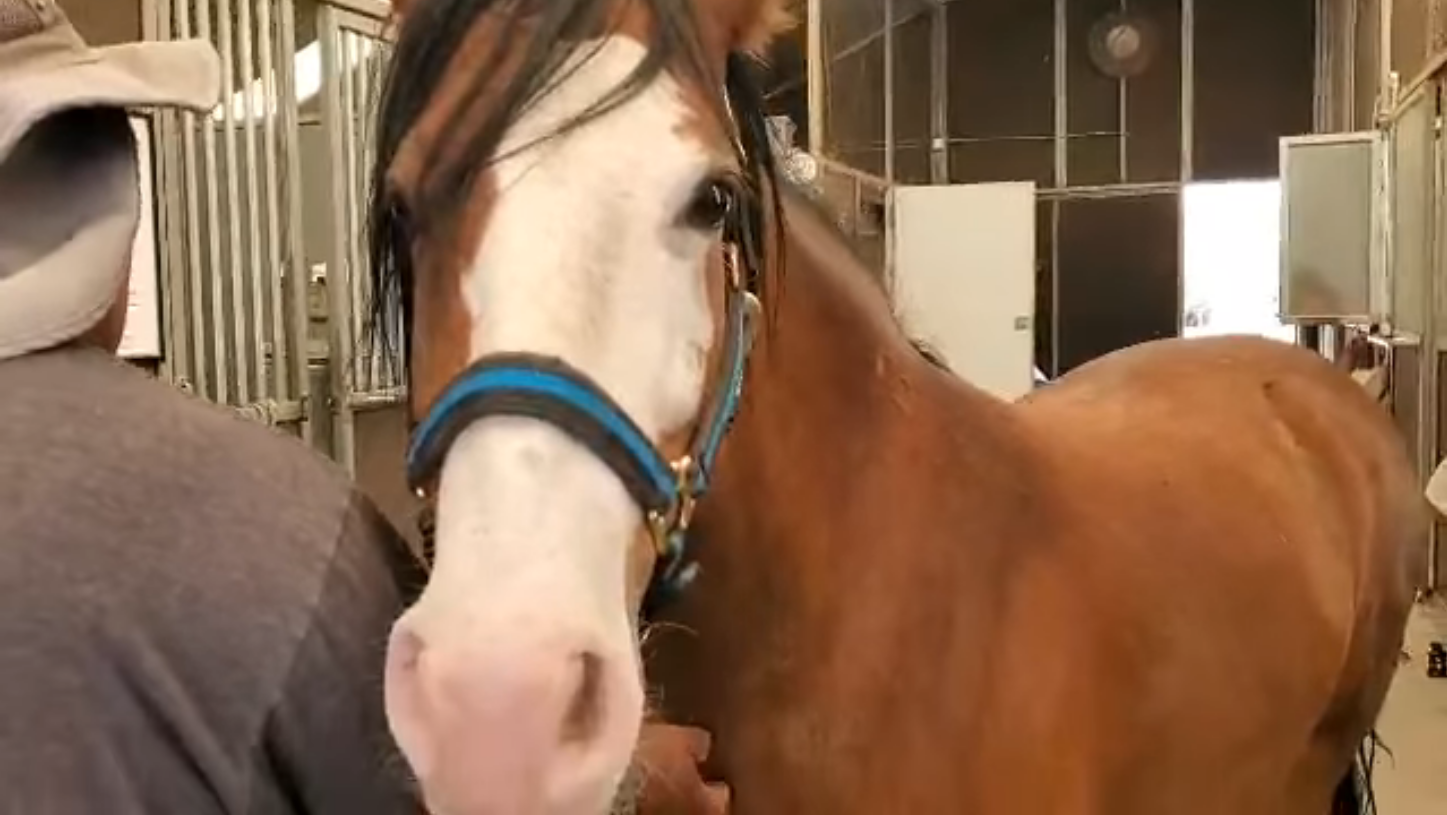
1176, 580
649, 382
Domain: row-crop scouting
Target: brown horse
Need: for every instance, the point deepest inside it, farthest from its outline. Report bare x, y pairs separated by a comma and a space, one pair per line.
1174, 582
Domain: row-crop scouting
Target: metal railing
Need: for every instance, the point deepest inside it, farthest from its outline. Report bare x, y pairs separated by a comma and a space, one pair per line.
365, 374
228, 201
859, 203
261, 216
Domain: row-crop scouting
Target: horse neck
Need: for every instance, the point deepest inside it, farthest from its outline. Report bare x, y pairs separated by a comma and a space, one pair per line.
864, 517
841, 410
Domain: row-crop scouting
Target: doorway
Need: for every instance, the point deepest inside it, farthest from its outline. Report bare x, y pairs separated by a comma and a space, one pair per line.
1231, 252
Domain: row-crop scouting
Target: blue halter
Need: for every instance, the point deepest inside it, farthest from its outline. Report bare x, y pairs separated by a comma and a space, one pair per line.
550, 390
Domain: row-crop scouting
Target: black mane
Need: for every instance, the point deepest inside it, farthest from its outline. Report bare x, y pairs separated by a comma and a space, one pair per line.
556, 32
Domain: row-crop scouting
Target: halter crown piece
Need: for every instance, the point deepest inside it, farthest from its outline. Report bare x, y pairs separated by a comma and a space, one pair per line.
550, 390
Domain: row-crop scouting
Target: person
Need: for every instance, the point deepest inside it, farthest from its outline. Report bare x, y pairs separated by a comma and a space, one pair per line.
193, 608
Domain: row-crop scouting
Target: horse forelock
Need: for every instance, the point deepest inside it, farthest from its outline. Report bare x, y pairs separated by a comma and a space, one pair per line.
463, 73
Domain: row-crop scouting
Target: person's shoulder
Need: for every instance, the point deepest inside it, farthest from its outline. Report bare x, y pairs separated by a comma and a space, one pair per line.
197, 453
252, 450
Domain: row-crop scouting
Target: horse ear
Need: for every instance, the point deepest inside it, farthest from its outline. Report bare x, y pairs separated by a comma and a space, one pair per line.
755, 23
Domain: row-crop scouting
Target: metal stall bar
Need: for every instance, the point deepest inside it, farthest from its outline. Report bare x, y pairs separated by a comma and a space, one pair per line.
201, 378
1188, 89
815, 66
1335, 60
254, 262
235, 294
271, 174
348, 270
171, 360
889, 145
1324, 67
1061, 155
939, 101
1387, 92
351, 44
157, 21
220, 391
1432, 327
1062, 83
1123, 123
1187, 124
338, 288
297, 277
1349, 86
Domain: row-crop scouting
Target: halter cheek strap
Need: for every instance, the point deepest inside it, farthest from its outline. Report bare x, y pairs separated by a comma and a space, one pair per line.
550, 390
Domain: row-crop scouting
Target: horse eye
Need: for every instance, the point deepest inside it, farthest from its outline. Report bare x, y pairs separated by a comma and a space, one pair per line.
711, 204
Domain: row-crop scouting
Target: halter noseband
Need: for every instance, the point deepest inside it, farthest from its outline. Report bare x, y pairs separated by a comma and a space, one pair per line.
550, 390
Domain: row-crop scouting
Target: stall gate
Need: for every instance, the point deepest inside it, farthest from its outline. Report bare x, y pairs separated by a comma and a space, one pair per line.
1363, 249
859, 204
367, 375
260, 216
234, 300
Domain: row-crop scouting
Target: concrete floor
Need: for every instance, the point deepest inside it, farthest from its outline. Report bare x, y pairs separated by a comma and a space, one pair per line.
1413, 780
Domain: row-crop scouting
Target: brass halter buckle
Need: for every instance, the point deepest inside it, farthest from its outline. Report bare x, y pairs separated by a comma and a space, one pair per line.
664, 526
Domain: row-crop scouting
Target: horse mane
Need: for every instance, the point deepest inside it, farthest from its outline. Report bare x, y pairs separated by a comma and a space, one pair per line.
931, 354
558, 37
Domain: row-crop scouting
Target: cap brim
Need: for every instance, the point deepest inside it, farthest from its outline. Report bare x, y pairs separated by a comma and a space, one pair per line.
60, 290
180, 75
68, 291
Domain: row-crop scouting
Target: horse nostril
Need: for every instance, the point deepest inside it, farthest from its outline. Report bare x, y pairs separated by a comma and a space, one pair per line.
407, 649
585, 710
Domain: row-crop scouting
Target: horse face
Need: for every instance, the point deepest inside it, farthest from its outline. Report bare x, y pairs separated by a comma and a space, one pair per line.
590, 236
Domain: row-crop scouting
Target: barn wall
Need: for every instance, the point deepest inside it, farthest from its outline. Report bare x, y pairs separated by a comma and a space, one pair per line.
1024, 101
1382, 57
1366, 38
1117, 283
853, 97
1001, 91
1251, 84
1254, 73
1349, 71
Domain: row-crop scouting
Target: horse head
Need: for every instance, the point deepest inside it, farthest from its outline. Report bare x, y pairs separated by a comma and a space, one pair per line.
566, 234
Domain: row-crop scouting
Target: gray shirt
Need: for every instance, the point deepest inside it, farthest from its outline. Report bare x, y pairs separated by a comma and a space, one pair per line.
193, 609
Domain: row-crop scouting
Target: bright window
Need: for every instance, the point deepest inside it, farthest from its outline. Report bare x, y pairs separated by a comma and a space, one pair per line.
1232, 259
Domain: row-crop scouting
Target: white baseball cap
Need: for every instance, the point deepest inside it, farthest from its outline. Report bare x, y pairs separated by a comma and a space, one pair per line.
69, 199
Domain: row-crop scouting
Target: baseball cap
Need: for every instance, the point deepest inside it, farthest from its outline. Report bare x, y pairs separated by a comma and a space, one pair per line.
69, 200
